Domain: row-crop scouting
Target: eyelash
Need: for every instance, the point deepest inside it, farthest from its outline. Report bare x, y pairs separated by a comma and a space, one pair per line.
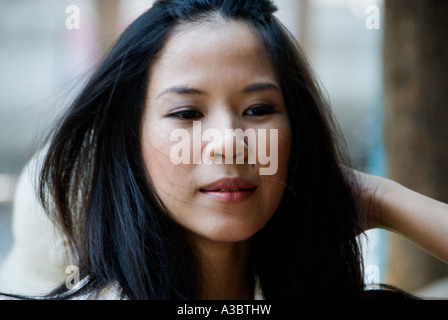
264, 109
186, 114
190, 114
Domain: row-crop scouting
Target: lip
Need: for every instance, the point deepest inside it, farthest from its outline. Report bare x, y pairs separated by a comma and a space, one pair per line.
229, 189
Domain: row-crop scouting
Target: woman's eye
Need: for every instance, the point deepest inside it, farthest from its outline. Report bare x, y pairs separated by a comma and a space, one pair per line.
186, 114
258, 111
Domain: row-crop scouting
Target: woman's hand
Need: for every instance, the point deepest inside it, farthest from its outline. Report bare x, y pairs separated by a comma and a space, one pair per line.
389, 205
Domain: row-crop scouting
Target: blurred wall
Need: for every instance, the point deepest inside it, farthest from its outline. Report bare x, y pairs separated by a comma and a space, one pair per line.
43, 64
416, 108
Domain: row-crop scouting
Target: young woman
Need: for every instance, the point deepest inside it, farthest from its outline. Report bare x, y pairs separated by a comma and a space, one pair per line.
142, 226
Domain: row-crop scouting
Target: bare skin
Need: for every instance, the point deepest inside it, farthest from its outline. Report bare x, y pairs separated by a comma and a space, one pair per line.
391, 206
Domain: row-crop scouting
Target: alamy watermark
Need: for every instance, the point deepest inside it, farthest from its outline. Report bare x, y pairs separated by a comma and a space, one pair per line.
73, 21
372, 276
373, 19
73, 276
249, 147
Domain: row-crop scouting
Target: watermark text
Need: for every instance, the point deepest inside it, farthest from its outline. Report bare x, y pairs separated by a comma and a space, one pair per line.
236, 146
73, 21
373, 19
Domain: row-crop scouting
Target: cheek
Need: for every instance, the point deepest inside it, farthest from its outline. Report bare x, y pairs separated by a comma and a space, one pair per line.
154, 153
172, 182
155, 146
275, 184
273, 153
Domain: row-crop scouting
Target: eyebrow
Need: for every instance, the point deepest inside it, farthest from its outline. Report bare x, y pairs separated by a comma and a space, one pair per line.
261, 86
256, 87
182, 90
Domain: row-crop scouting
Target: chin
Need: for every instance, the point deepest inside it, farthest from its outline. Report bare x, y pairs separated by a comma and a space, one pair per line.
232, 233
227, 226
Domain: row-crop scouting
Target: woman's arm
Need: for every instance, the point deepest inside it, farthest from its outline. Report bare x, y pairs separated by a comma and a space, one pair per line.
391, 206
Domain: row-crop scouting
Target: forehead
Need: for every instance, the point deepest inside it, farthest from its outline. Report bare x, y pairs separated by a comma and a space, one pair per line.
219, 47
219, 34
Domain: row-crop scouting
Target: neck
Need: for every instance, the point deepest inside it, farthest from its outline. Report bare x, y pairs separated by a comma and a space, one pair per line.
225, 270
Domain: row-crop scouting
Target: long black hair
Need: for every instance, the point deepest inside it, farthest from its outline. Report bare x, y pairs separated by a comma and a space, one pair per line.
94, 185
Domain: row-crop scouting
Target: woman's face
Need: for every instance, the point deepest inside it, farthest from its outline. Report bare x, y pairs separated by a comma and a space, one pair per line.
209, 80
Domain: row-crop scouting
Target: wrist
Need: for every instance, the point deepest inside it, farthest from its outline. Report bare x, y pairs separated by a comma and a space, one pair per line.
386, 193
378, 191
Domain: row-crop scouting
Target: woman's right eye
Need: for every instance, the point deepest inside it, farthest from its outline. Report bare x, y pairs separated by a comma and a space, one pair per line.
186, 114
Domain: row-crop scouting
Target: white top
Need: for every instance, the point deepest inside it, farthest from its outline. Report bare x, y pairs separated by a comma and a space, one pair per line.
37, 260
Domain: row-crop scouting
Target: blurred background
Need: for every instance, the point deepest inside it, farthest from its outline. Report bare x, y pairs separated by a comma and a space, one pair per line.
381, 63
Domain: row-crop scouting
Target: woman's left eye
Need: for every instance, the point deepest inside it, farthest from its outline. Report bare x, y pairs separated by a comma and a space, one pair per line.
259, 110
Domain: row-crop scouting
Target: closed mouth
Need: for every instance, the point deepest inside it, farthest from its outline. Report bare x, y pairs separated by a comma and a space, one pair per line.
228, 190
230, 184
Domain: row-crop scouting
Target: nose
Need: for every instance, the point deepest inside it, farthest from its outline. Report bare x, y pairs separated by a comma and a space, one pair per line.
232, 148
225, 142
